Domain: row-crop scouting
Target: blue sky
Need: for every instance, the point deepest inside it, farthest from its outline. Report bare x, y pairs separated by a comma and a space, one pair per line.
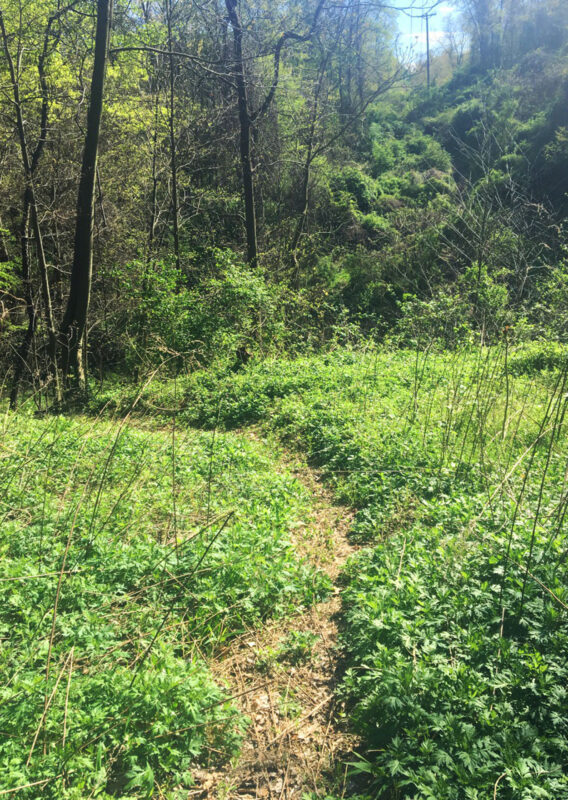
413, 30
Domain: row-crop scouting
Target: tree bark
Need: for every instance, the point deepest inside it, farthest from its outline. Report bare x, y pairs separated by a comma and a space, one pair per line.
173, 159
305, 193
154, 197
21, 358
248, 117
245, 134
74, 321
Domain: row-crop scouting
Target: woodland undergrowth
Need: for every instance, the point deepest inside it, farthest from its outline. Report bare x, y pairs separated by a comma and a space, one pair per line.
130, 555
454, 613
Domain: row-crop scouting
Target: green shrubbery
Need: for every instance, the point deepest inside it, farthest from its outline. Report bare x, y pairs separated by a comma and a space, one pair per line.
475, 307
448, 704
535, 357
224, 308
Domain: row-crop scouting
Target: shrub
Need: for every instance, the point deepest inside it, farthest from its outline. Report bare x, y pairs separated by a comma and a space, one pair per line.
355, 183
537, 357
230, 309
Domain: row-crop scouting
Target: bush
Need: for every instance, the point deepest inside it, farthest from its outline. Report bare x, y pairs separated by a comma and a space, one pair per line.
353, 182
548, 311
537, 357
477, 302
230, 310
446, 705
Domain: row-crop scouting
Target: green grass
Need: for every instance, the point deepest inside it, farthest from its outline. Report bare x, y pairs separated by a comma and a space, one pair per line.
456, 655
129, 556
455, 634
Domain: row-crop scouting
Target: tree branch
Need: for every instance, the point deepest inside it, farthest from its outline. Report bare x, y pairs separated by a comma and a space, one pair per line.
177, 53
286, 37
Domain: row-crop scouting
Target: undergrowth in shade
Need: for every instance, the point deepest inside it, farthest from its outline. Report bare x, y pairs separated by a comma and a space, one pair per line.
128, 556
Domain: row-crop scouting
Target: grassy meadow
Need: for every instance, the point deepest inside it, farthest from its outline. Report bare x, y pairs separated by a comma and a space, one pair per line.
454, 611
130, 555
135, 548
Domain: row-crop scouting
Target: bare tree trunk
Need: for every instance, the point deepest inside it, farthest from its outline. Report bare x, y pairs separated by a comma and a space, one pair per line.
305, 193
21, 359
359, 41
30, 207
247, 117
3, 249
173, 160
75, 318
349, 76
245, 134
154, 200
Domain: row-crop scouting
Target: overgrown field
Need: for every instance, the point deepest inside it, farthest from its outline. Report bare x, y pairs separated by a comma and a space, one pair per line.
132, 552
455, 628
129, 555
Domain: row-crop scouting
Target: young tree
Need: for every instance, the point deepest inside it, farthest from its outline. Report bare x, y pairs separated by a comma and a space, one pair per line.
72, 331
172, 132
483, 19
248, 117
30, 210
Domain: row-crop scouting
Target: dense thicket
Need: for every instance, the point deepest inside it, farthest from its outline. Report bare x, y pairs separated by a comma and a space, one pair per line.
269, 175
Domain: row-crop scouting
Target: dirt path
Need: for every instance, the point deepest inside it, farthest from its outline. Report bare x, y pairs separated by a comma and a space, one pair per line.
285, 674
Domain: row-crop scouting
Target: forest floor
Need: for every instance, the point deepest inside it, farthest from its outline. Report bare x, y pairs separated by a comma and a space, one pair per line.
283, 677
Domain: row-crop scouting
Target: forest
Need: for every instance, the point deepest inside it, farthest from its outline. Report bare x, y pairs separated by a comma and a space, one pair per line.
283, 395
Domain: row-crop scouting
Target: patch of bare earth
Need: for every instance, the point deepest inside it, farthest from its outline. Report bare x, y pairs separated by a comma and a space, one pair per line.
296, 742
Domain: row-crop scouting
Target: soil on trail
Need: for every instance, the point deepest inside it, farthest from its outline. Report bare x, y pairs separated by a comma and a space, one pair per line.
283, 677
